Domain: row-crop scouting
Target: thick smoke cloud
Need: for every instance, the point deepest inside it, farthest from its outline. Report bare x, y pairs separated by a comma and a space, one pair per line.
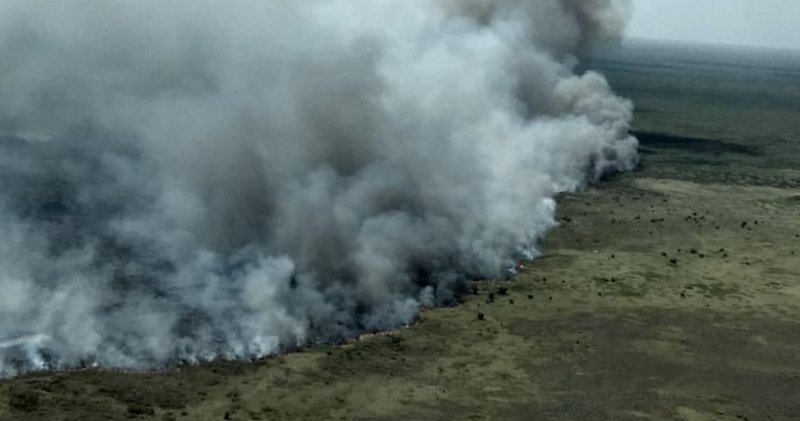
188, 180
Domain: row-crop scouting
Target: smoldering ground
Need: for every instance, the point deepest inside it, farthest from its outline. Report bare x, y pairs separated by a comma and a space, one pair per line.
193, 180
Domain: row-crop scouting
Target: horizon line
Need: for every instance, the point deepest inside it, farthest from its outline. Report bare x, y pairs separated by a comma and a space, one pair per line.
711, 43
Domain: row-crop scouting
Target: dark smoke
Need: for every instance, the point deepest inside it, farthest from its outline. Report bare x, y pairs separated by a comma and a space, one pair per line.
189, 180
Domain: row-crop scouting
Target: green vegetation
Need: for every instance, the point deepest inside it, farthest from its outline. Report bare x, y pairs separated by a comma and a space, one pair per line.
713, 115
670, 293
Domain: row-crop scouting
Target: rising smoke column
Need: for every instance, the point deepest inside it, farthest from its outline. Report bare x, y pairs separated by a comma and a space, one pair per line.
188, 180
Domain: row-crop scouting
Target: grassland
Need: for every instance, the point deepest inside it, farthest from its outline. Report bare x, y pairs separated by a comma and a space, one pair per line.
669, 293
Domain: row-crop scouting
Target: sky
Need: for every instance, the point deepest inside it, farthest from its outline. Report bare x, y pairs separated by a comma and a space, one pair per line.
760, 23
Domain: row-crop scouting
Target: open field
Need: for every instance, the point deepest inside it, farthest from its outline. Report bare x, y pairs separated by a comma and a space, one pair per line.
670, 293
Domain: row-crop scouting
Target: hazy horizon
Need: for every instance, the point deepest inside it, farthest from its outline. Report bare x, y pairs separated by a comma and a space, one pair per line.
708, 44
771, 24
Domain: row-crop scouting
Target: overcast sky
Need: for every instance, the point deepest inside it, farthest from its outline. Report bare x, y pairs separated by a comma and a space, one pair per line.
769, 23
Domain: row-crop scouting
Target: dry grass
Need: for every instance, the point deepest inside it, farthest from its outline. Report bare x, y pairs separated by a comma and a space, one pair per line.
653, 301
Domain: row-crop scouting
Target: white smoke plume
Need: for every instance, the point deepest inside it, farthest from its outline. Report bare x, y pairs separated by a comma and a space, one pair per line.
197, 179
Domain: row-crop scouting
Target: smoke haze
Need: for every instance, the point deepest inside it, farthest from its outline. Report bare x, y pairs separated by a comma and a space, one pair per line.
189, 180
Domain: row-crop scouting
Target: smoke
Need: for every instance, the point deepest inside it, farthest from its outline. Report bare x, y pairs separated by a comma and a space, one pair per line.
188, 180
